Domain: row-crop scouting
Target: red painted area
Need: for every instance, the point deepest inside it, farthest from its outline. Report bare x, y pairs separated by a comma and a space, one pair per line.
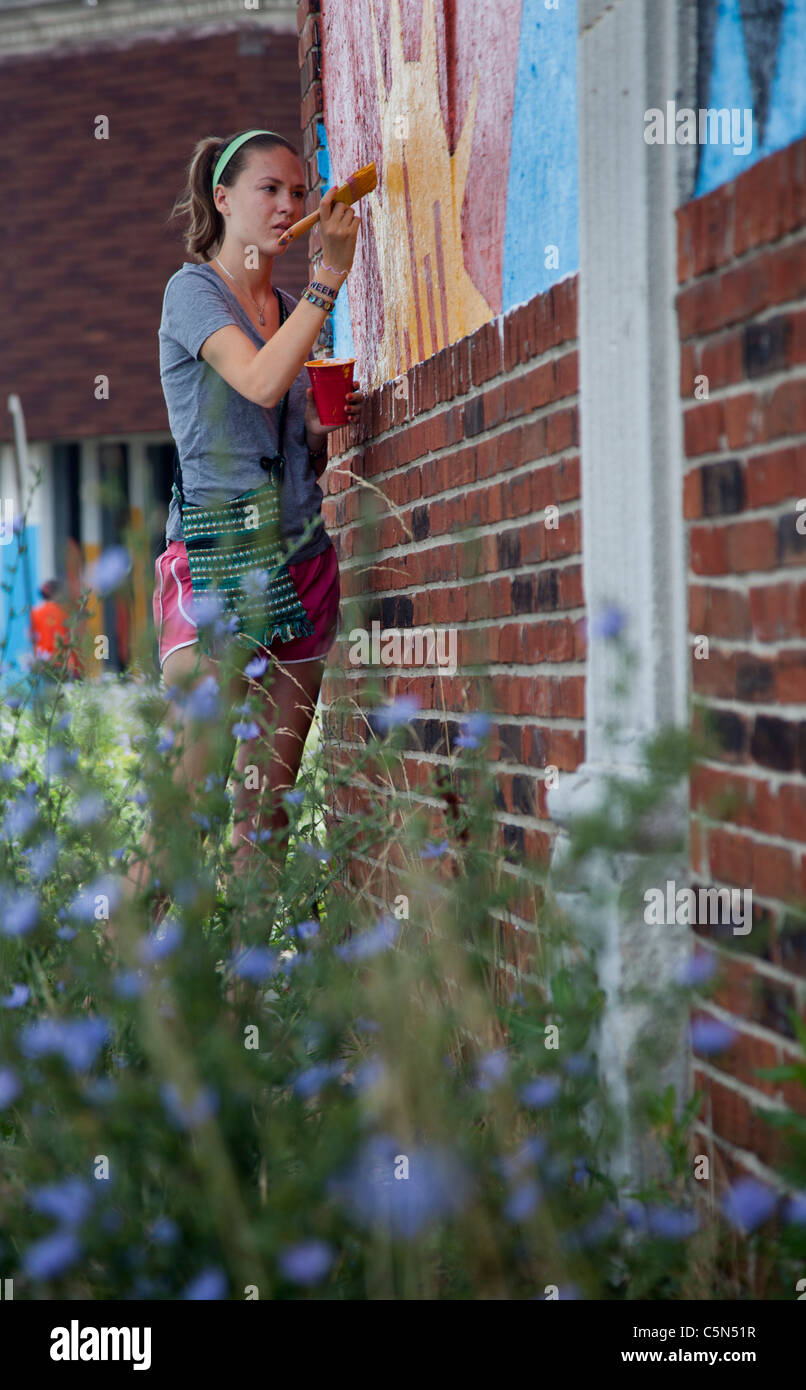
473, 38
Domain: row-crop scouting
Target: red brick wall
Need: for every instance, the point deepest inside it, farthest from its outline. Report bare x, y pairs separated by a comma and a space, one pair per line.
482, 435
89, 248
742, 320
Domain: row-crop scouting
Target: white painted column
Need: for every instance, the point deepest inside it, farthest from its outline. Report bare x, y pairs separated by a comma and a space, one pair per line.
631, 479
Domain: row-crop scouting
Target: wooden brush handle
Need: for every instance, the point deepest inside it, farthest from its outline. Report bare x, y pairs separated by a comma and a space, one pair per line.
349, 192
299, 228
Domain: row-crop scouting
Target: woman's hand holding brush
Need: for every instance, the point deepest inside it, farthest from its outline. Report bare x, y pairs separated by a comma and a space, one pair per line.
338, 229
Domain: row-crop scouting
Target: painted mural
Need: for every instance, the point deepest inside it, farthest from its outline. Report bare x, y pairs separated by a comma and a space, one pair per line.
751, 56
469, 112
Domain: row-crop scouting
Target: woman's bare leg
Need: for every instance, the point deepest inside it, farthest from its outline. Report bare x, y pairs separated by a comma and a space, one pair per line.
185, 668
291, 693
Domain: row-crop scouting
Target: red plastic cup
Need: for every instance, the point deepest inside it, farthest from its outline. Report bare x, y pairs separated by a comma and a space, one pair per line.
331, 380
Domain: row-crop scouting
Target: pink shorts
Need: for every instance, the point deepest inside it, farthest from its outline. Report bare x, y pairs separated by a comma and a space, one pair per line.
316, 581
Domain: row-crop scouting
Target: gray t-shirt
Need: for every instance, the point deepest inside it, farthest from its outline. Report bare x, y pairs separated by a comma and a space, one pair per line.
220, 435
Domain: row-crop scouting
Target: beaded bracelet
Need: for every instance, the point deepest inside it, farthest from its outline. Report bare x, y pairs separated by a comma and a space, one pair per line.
321, 303
327, 290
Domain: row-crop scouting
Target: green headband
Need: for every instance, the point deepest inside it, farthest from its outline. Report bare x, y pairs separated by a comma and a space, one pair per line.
234, 145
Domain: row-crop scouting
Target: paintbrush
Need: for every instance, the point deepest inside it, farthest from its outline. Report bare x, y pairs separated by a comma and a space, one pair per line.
363, 181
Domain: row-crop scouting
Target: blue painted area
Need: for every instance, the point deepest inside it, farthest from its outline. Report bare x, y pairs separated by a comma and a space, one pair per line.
787, 118
343, 345
730, 87
543, 191
18, 599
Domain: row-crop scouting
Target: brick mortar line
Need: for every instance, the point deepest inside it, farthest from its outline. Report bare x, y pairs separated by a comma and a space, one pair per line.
479, 624
713, 337
515, 373
732, 1083
519, 819
378, 558
752, 1029
441, 759
760, 837
769, 775
748, 454
734, 582
748, 385
477, 669
753, 646
736, 706
745, 1157
461, 490
790, 238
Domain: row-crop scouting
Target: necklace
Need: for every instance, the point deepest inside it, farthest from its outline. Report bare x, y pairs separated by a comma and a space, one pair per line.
259, 307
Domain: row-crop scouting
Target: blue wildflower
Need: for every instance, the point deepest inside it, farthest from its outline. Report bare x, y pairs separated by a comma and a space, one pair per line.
210, 1284
254, 963
304, 931
473, 731
400, 711
256, 667
542, 1091
711, 1035
309, 1083
370, 1073
42, 857
66, 933
129, 984
203, 701
166, 742
748, 1204
110, 569
306, 1263
491, 1069
315, 851
89, 809
189, 1114
207, 610
20, 914
164, 1230
85, 906
672, 1223
370, 943
21, 814
396, 1186
161, 941
522, 1201
52, 1256
9, 1087
433, 850
77, 1041
245, 729
610, 623
696, 970
795, 1209
578, 1064
20, 994
68, 1202
294, 798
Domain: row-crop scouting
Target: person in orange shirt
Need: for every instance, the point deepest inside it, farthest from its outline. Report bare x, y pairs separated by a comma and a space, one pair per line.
49, 629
